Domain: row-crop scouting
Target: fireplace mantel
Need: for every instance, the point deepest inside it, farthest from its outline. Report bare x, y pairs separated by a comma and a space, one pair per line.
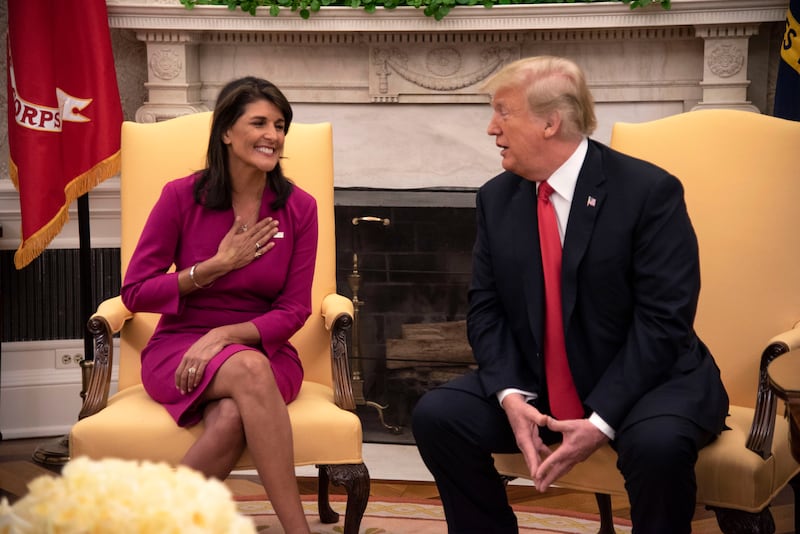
396, 79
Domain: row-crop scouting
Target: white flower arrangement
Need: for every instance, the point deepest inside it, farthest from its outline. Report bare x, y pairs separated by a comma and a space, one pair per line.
124, 497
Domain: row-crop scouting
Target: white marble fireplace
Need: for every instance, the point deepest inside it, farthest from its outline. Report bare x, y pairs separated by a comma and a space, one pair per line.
402, 89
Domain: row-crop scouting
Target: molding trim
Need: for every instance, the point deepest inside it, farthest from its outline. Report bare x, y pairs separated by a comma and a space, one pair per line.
139, 14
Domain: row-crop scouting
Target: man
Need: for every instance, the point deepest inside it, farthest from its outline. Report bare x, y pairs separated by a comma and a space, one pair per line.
619, 327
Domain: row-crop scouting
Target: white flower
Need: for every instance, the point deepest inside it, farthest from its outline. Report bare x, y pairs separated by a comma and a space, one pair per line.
124, 497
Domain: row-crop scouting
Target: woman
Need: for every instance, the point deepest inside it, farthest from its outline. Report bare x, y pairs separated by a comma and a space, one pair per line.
243, 239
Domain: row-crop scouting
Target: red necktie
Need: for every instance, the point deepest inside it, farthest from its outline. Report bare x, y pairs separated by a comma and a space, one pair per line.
563, 397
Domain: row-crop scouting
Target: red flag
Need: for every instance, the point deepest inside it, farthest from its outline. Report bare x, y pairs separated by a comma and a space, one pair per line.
64, 111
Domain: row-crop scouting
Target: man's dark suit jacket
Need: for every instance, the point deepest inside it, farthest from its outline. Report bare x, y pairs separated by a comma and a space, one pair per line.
630, 284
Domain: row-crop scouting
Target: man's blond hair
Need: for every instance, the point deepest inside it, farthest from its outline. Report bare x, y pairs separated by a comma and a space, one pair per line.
551, 84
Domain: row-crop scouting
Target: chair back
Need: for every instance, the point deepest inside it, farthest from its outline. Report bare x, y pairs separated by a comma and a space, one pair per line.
742, 186
155, 153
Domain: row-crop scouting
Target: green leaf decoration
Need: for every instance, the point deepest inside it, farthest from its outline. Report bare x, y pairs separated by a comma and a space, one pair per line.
438, 9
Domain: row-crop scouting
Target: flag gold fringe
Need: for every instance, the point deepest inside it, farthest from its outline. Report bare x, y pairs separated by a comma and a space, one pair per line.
32, 247
14, 173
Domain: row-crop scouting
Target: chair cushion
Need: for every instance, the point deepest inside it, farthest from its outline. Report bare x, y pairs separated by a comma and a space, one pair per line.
728, 474
136, 427
731, 476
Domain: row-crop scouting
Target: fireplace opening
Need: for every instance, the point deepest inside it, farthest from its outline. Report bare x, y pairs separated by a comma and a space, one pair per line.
406, 257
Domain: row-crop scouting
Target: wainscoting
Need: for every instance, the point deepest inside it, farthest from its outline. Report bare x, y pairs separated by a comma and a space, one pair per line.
42, 338
39, 392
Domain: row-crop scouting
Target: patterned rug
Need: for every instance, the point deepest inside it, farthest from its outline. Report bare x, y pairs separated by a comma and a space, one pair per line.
390, 516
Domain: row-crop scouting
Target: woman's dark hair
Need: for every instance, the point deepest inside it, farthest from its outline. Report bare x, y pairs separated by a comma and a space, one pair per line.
213, 188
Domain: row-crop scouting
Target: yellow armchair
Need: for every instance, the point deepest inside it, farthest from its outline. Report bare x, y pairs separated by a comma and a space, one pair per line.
742, 185
130, 425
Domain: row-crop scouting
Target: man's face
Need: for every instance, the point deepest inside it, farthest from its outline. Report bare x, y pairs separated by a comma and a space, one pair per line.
518, 133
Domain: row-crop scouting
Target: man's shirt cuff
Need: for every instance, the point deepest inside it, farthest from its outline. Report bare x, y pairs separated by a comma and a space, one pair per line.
597, 421
503, 393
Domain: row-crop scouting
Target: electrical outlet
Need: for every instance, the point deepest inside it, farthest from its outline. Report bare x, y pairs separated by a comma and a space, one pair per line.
68, 359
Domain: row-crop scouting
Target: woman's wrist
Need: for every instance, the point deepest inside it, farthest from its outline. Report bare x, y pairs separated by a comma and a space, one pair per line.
245, 333
228, 335
197, 279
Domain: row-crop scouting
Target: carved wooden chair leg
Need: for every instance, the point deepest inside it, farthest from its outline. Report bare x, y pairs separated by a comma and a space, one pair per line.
355, 479
606, 514
740, 522
326, 513
795, 484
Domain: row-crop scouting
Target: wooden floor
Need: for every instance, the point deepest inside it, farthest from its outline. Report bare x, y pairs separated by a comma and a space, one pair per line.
17, 468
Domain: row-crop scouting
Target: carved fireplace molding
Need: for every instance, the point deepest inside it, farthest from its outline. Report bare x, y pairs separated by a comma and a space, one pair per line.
696, 53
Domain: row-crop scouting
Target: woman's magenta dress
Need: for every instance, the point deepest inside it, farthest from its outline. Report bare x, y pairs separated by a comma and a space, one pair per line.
273, 291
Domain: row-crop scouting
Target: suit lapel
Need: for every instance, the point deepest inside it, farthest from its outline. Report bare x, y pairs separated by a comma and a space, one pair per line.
524, 235
587, 202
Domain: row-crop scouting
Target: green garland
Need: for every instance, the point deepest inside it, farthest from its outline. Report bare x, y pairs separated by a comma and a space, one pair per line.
432, 8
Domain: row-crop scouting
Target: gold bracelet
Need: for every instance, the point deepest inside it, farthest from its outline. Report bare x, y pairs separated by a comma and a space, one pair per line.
191, 277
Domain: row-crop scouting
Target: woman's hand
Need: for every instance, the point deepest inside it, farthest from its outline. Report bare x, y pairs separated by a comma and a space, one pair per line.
190, 371
238, 248
241, 246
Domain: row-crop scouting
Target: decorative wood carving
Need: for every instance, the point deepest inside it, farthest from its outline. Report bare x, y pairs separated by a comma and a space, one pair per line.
739, 522
99, 385
355, 479
760, 438
342, 386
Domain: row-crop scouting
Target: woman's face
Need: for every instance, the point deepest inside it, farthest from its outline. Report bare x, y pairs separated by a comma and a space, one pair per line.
255, 141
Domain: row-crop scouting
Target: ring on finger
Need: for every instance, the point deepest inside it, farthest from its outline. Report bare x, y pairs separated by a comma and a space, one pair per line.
192, 370
258, 245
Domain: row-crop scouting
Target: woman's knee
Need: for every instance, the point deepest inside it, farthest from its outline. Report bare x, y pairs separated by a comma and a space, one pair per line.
251, 368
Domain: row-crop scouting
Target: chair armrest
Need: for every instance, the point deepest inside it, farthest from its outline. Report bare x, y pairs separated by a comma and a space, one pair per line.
763, 428
114, 312
337, 311
335, 307
111, 314
789, 339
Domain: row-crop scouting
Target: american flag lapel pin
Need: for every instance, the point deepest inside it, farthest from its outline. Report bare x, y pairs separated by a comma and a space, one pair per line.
591, 201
